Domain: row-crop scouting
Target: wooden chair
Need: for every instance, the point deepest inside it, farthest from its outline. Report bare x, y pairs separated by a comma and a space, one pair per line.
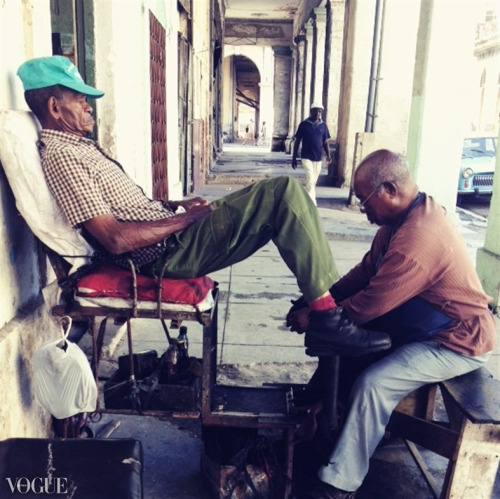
70, 256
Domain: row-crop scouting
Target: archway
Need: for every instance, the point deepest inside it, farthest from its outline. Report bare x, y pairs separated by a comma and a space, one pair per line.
241, 101
246, 95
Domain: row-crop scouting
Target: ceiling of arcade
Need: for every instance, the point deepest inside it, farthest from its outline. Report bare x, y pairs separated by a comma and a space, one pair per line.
259, 22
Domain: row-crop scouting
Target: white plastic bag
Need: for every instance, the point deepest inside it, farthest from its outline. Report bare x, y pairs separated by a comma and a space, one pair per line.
63, 379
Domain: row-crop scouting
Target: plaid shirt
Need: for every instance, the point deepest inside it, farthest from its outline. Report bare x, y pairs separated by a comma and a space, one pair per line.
87, 183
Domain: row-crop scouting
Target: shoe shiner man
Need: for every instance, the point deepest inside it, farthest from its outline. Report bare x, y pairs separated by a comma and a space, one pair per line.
417, 282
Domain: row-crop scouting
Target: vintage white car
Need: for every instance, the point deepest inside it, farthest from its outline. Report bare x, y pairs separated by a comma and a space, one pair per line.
477, 166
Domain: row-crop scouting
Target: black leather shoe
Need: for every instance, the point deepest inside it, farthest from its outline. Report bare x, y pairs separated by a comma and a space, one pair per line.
333, 333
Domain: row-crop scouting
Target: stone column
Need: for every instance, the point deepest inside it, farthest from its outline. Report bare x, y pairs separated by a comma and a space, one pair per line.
488, 257
318, 65
282, 96
444, 58
266, 98
334, 46
333, 65
308, 67
266, 106
300, 40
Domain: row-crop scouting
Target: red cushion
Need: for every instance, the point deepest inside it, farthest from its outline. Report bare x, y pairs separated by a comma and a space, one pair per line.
115, 282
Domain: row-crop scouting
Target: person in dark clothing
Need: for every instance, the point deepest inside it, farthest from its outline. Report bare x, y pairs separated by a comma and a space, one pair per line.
313, 134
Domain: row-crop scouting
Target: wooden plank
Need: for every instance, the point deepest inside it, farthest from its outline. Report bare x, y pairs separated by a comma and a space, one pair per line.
108, 428
430, 435
419, 403
78, 311
477, 394
422, 466
473, 469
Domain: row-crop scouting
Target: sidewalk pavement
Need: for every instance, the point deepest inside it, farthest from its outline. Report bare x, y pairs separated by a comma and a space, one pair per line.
254, 299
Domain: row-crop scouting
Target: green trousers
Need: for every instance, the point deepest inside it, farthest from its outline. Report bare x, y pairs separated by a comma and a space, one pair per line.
277, 209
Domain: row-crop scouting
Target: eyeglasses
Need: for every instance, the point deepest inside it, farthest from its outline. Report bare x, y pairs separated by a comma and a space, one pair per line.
361, 205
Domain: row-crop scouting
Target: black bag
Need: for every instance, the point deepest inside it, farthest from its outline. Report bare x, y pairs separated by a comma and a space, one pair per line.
246, 129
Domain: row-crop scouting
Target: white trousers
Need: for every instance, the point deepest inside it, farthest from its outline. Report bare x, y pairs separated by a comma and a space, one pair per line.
375, 395
313, 170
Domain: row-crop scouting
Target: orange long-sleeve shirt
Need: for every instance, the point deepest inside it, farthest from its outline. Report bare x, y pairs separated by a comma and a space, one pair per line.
426, 257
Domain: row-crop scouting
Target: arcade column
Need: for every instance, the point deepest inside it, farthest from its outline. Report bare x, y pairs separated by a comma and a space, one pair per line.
282, 96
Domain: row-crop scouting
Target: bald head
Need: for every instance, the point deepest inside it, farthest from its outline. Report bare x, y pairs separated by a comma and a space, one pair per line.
382, 166
384, 175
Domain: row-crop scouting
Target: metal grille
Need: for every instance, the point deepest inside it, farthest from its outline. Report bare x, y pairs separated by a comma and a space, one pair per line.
158, 109
483, 180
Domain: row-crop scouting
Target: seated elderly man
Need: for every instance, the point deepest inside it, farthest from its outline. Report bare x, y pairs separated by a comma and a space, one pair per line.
418, 283
122, 223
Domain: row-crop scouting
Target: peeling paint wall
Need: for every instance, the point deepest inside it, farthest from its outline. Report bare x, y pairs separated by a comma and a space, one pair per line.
18, 259
20, 414
20, 333
122, 69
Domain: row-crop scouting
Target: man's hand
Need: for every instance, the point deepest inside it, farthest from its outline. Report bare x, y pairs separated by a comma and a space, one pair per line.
198, 211
187, 204
298, 320
191, 210
294, 163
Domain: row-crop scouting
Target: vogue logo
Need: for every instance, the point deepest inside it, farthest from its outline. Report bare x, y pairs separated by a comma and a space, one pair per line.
38, 485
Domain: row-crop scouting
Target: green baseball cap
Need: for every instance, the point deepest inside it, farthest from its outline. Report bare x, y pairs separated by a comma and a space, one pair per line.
45, 72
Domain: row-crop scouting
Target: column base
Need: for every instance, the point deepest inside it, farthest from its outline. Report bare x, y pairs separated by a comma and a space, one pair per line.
488, 269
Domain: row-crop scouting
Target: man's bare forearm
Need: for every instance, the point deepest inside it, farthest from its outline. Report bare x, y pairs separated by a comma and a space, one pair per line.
120, 237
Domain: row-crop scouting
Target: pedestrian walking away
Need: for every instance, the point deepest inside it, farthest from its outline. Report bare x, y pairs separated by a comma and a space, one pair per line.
313, 134
249, 134
263, 134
